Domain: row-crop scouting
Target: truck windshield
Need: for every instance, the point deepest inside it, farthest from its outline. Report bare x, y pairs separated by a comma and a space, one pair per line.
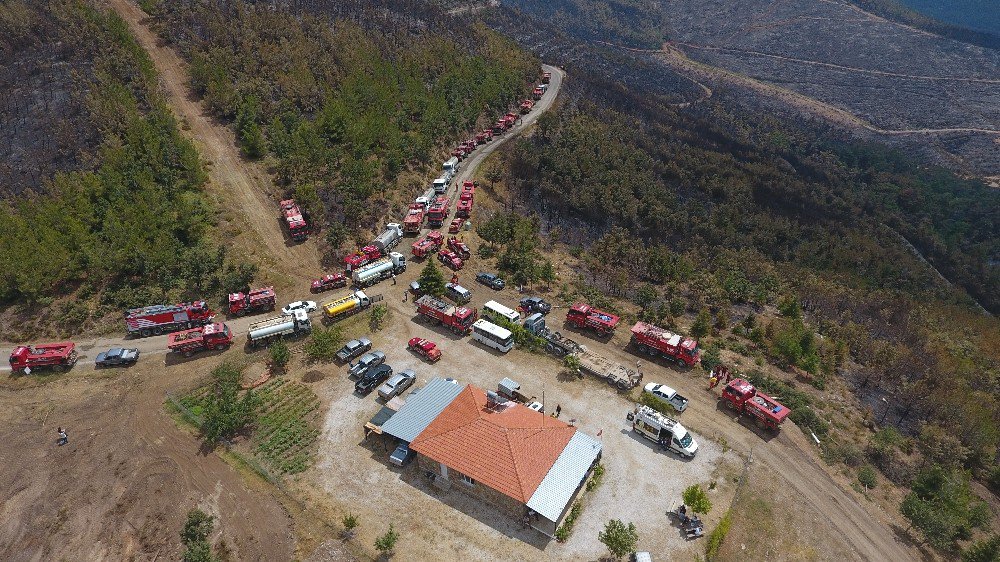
686, 440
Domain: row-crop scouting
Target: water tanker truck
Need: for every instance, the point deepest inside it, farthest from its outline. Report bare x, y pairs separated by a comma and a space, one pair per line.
265, 331
379, 269
213, 336
348, 304
389, 238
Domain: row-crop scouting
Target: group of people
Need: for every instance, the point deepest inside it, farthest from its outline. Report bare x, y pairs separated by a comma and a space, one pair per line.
717, 375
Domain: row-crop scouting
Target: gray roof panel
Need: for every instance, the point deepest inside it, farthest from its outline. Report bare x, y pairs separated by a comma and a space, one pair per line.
421, 409
566, 474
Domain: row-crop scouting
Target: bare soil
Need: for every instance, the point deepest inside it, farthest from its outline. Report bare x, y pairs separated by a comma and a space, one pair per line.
123, 485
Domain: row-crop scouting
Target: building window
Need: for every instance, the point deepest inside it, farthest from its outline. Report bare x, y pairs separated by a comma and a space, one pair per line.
468, 480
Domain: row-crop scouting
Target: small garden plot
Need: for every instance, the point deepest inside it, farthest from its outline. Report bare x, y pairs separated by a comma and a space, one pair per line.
286, 426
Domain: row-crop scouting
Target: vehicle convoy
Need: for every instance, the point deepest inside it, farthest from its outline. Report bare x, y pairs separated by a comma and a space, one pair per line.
380, 269
388, 238
440, 185
559, 345
456, 225
264, 332
363, 257
425, 348
666, 394
656, 341
427, 245
160, 318
367, 362
414, 218
55, 356
450, 259
438, 211
117, 356
526, 106
349, 304
546, 77
584, 316
669, 433
461, 249
450, 167
354, 348
328, 281
212, 336
537, 93
297, 226
743, 397
457, 318
256, 300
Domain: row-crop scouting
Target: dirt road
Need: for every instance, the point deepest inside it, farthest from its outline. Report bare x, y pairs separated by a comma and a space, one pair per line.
241, 187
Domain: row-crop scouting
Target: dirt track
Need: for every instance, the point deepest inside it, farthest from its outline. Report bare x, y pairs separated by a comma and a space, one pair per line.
240, 187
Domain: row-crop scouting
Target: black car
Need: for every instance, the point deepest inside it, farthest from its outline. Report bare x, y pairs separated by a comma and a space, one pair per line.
535, 304
490, 280
116, 356
372, 379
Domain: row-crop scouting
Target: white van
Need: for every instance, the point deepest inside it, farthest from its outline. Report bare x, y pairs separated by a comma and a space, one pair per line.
441, 185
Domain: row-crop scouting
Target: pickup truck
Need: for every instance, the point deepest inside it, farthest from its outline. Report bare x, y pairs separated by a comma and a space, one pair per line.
354, 348
666, 394
116, 356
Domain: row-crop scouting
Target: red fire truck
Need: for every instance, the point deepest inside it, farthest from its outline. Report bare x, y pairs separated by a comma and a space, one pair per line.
458, 318
653, 340
160, 318
584, 316
743, 397
213, 336
255, 301
55, 356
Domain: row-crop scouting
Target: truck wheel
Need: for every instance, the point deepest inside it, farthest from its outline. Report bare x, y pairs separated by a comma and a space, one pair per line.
220, 347
58, 368
681, 363
641, 348
240, 312
729, 404
157, 331
188, 353
145, 333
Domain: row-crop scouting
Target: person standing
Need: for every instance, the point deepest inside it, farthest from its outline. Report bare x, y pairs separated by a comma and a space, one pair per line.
393, 278
558, 410
63, 438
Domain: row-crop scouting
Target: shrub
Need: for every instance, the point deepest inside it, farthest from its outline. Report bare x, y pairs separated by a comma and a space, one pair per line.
595, 478
867, 477
378, 316
431, 279
620, 539
323, 343
350, 522
987, 550
702, 324
943, 507
387, 542
226, 412
716, 537
566, 529
993, 479
677, 306
696, 497
278, 356
194, 536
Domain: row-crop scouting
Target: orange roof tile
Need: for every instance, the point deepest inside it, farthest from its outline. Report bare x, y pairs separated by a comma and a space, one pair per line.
509, 449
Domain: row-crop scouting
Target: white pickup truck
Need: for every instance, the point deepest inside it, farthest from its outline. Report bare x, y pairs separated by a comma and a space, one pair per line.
667, 394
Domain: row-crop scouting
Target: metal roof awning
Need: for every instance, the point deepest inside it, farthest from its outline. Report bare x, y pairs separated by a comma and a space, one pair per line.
508, 386
374, 425
557, 488
421, 409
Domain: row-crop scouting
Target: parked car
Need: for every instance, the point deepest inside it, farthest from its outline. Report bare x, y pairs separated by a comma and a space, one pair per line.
402, 455
117, 356
372, 378
308, 306
490, 280
425, 348
415, 288
354, 348
535, 304
397, 384
366, 363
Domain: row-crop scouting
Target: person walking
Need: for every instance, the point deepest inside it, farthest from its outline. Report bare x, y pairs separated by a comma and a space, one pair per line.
712, 382
63, 438
406, 295
558, 410
393, 278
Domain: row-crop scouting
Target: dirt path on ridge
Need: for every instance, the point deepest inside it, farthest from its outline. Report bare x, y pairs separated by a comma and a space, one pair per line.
243, 186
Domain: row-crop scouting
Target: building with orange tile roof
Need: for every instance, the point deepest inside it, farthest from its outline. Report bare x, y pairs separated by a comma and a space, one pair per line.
527, 463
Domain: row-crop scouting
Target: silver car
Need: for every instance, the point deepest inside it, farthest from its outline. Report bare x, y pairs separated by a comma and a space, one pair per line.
397, 384
367, 361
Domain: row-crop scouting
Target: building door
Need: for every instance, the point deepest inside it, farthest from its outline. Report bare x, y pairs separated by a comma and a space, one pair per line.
444, 471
